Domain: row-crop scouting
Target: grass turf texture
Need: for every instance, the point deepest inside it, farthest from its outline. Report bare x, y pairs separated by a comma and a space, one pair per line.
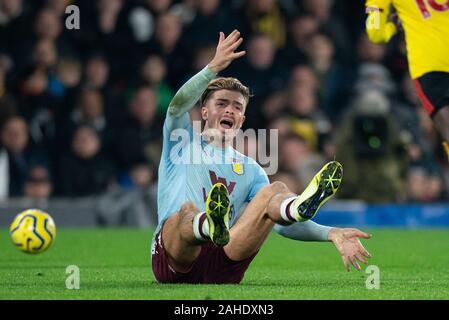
115, 264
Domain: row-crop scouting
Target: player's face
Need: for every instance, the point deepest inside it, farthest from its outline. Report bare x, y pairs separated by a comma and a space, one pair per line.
224, 111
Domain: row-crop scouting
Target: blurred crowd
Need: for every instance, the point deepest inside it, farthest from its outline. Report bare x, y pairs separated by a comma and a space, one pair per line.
81, 110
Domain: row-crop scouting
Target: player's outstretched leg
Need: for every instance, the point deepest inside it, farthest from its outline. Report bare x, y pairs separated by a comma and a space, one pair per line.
275, 203
322, 187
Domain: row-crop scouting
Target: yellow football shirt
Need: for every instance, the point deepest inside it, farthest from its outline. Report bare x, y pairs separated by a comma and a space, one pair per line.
426, 27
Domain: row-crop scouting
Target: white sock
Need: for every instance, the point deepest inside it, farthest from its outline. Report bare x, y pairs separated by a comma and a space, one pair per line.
285, 209
201, 227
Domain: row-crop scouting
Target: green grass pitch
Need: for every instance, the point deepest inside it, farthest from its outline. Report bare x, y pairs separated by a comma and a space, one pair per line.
115, 264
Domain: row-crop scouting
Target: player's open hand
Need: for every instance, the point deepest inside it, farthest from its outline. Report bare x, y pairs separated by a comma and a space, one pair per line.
225, 52
347, 242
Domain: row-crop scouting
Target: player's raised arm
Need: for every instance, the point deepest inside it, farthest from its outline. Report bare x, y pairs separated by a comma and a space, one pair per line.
191, 91
378, 28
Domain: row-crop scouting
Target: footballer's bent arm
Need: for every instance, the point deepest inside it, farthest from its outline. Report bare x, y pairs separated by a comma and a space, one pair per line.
304, 231
186, 97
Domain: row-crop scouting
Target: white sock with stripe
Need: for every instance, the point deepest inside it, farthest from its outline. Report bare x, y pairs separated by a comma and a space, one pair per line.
286, 213
201, 227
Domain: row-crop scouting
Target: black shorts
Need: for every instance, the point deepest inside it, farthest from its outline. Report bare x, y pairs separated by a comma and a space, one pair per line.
433, 91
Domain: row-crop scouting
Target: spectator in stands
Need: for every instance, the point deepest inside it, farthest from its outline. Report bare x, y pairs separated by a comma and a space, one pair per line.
37, 88
68, 74
303, 76
109, 11
332, 76
260, 64
298, 158
370, 52
5, 66
97, 75
13, 26
203, 55
154, 72
111, 35
48, 26
7, 109
260, 73
64, 84
211, 18
84, 171
307, 119
330, 23
138, 139
273, 106
90, 111
96, 72
301, 28
264, 17
38, 185
168, 44
282, 123
21, 155
185, 10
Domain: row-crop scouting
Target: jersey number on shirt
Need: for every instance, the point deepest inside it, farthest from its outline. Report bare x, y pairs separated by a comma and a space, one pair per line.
423, 7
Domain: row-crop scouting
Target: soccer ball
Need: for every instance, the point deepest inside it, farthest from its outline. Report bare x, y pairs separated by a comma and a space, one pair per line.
33, 231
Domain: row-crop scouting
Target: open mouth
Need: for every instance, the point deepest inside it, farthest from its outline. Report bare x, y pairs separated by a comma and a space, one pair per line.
226, 123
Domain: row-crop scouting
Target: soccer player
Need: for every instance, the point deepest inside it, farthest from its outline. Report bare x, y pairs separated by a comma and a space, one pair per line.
205, 233
426, 27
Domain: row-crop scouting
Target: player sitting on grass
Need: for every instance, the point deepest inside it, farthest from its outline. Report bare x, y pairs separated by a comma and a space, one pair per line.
201, 238
426, 27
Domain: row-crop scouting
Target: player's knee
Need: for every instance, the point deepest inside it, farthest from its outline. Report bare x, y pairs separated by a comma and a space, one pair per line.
273, 189
186, 213
278, 187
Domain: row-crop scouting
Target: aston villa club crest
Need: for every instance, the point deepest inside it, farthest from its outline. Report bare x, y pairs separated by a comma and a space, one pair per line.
237, 167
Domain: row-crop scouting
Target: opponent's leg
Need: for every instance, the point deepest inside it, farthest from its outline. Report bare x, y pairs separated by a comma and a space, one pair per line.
275, 203
441, 121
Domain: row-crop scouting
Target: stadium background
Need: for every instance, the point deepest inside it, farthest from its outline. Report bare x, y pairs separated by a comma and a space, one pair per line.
81, 110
